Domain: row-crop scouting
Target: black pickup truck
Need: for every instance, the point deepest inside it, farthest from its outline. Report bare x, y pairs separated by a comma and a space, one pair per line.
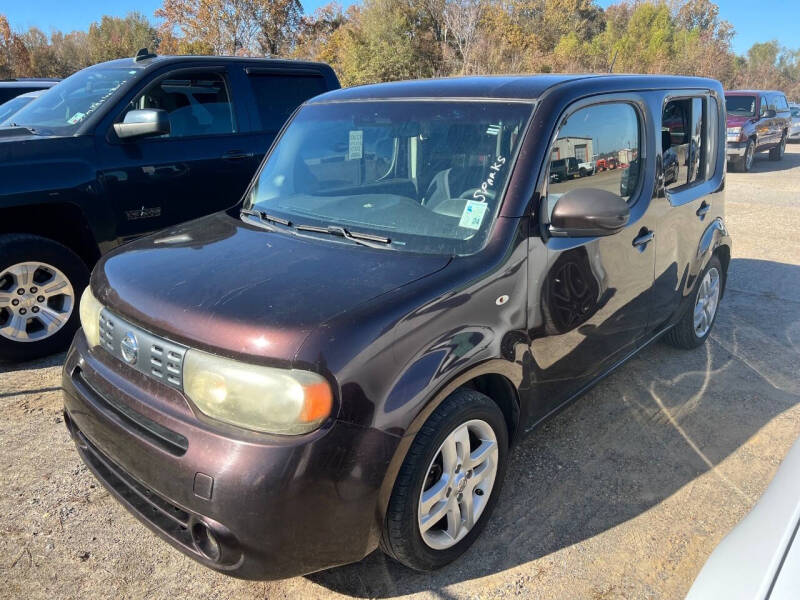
118, 150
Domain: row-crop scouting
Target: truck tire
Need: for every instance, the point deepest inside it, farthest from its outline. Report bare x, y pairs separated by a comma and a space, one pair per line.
777, 152
41, 282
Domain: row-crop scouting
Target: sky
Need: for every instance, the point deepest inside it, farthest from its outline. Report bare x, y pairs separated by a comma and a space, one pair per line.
754, 21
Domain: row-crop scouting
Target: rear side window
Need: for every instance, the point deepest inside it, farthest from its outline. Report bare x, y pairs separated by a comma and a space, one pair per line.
607, 135
198, 103
277, 95
683, 143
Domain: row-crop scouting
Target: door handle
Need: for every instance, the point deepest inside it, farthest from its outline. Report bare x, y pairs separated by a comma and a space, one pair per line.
237, 155
645, 237
704, 208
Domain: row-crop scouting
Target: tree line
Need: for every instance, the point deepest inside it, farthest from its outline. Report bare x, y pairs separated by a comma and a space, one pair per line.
384, 40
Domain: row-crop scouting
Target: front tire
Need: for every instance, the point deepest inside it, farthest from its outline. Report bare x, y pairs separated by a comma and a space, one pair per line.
695, 326
449, 482
40, 284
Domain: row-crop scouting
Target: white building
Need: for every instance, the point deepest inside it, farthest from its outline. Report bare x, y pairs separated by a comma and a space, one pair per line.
579, 147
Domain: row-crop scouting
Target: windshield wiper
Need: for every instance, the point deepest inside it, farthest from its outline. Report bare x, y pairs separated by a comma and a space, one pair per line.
364, 239
260, 214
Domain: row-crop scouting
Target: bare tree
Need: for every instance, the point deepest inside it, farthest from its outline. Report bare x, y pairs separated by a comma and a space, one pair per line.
462, 19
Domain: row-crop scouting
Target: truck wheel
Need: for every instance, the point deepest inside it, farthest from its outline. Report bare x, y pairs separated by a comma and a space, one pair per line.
695, 326
777, 152
448, 484
745, 163
40, 284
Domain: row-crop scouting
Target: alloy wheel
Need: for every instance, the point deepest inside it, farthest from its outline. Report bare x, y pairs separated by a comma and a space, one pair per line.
458, 484
36, 301
705, 306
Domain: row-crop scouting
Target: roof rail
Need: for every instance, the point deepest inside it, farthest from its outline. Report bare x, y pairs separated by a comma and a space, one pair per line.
143, 54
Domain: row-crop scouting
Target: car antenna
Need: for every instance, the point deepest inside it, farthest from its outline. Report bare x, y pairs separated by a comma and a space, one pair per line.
613, 60
143, 54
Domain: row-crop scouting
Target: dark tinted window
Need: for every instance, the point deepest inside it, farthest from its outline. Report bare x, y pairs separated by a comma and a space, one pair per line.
278, 95
741, 106
608, 136
197, 103
682, 142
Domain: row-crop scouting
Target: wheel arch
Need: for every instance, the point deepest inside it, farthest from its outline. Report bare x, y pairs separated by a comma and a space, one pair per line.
492, 378
64, 223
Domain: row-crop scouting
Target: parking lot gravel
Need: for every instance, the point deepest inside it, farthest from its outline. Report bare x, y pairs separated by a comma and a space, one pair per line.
622, 495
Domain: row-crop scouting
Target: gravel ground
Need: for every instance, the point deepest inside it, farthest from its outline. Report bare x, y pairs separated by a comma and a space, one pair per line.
623, 495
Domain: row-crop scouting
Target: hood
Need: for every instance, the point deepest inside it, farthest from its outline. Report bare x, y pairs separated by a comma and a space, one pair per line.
737, 121
224, 285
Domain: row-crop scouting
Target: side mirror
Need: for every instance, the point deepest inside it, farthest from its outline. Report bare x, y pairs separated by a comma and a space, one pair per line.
143, 123
584, 212
769, 114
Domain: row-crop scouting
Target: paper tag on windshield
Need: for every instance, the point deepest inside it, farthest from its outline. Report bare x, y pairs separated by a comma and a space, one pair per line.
356, 148
75, 118
473, 214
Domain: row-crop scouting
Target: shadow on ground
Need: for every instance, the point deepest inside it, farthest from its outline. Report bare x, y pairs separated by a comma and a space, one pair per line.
662, 420
762, 163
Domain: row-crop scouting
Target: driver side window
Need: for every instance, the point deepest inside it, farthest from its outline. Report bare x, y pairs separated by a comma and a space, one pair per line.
596, 147
197, 103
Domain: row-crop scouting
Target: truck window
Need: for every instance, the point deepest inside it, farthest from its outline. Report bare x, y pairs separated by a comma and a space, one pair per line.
278, 95
197, 103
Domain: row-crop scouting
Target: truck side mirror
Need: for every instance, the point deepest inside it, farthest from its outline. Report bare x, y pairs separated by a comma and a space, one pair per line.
145, 122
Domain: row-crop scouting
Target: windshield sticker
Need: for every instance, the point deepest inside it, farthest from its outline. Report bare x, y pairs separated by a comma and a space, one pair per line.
76, 118
488, 184
356, 147
473, 214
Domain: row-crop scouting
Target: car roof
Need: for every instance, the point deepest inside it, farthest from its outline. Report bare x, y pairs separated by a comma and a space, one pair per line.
160, 60
750, 92
519, 87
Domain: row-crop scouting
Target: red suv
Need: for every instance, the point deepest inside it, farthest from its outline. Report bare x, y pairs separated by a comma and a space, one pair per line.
758, 120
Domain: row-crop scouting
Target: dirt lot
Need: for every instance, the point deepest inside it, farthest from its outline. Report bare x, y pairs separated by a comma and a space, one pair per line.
623, 495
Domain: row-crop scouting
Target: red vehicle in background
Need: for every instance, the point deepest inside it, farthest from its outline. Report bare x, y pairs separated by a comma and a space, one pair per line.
606, 164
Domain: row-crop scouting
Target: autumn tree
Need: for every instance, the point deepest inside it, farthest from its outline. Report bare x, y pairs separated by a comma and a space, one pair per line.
231, 27
114, 37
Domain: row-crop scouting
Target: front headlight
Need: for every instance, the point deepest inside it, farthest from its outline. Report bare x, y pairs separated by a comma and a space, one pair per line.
90, 317
287, 401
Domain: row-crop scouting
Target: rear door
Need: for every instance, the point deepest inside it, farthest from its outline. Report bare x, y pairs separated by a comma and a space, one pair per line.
276, 92
684, 207
196, 169
591, 296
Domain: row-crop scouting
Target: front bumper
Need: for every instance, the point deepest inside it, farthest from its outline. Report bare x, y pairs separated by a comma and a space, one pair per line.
735, 149
275, 506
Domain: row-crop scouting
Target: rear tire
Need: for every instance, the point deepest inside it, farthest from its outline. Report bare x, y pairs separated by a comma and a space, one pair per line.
417, 531
688, 333
41, 282
777, 152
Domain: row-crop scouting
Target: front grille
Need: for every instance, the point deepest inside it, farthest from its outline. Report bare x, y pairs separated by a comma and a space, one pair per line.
154, 356
172, 520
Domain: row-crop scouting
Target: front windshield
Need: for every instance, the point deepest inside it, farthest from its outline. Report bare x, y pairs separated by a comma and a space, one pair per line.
62, 108
741, 106
9, 108
427, 175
